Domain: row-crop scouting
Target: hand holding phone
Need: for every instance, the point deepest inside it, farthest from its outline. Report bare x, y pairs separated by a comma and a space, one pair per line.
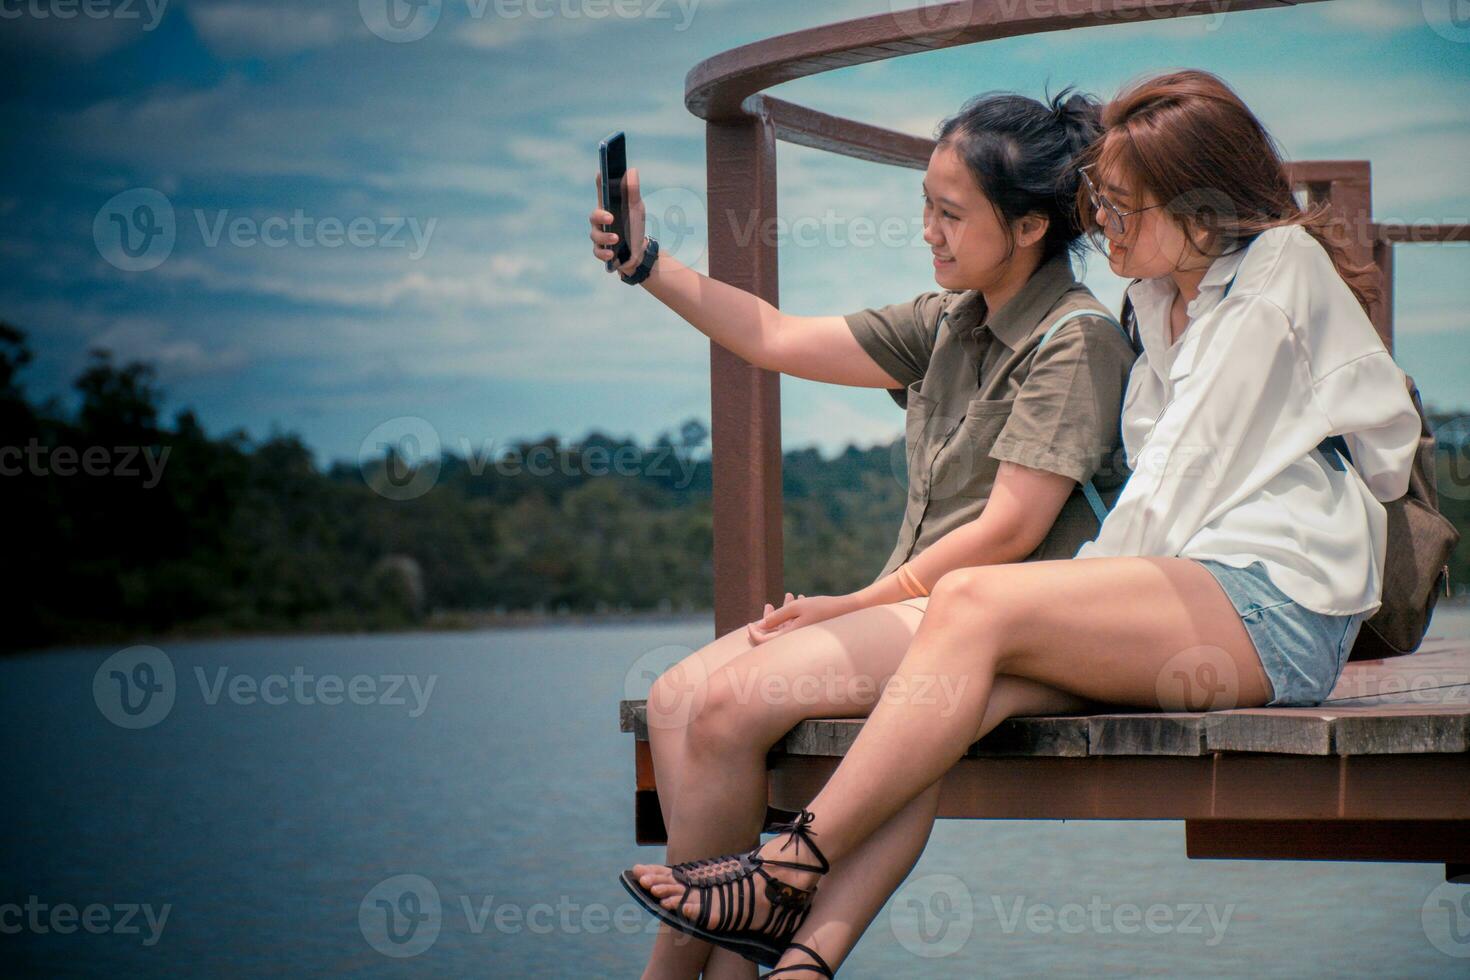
621, 211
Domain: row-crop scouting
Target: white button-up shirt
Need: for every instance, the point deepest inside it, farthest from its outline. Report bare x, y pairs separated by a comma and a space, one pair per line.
1220, 427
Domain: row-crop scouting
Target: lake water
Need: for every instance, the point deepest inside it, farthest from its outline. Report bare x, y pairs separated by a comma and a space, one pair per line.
248, 828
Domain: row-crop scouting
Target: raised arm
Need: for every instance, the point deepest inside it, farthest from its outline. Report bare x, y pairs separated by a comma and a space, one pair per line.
819, 348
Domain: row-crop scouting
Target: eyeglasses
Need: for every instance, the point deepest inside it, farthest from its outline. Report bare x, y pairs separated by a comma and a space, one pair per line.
1101, 203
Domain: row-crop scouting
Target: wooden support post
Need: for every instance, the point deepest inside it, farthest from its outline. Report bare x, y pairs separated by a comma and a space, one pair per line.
1348, 186
1382, 313
745, 409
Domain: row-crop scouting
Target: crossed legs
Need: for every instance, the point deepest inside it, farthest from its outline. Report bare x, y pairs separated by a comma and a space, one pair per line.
1147, 632
714, 716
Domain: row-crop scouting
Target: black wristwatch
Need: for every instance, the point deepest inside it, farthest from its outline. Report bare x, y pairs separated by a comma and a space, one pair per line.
650, 256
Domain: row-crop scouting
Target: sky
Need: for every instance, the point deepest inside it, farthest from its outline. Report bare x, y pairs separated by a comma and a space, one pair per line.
343, 222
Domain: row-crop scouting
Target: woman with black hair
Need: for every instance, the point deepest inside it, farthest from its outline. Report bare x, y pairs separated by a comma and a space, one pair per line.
1012, 376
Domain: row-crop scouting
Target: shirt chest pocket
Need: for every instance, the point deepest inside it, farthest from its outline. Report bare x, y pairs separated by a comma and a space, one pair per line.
962, 466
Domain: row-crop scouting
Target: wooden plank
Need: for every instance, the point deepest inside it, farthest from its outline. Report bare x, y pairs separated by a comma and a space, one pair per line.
1148, 733
1243, 786
1040, 736
1406, 705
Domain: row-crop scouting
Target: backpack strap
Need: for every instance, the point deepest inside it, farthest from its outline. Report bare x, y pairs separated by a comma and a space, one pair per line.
1094, 499
1067, 317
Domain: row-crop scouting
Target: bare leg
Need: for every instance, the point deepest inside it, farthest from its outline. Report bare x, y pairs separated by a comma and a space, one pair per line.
710, 728
1116, 630
854, 892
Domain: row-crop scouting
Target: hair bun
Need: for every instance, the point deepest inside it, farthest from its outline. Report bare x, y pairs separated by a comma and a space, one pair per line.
1081, 115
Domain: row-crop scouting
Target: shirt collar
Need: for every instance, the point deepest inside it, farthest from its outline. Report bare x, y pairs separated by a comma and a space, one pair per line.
1224, 267
1151, 299
1019, 317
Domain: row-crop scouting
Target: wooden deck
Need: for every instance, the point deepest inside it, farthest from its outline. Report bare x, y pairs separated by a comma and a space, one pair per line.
1379, 772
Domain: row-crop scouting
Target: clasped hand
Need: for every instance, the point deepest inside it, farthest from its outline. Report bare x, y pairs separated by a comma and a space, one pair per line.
796, 612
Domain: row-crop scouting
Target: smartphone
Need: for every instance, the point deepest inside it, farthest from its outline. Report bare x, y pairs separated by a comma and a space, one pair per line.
613, 156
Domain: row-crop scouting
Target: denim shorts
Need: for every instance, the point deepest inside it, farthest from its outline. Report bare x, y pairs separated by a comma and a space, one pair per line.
1303, 652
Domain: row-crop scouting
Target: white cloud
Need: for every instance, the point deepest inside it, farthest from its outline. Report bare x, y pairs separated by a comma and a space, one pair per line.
1374, 14
175, 357
242, 29
831, 420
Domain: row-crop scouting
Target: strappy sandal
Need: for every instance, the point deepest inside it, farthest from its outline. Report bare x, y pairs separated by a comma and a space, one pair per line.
777, 817
733, 878
820, 966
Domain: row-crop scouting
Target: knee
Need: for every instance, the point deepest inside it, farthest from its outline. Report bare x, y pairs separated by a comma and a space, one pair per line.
968, 595
729, 718
674, 699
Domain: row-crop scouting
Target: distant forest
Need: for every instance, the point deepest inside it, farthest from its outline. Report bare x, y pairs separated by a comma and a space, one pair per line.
122, 526
202, 535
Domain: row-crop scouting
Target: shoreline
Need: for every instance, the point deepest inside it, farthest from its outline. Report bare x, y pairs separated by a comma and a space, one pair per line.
441, 622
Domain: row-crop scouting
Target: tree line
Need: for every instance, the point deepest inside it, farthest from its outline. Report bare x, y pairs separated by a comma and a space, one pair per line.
125, 525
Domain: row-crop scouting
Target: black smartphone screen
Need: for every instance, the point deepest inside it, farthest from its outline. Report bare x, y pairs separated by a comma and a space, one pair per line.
614, 159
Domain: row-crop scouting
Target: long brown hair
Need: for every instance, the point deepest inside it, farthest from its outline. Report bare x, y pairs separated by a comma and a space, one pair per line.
1188, 138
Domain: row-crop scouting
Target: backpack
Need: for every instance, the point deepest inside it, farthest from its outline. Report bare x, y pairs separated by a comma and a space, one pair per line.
1420, 540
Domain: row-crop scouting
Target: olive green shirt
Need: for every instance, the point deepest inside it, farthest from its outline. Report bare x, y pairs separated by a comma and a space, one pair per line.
978, 392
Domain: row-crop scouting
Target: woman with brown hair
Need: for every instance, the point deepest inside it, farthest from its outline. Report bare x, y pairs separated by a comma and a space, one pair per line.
1236, 551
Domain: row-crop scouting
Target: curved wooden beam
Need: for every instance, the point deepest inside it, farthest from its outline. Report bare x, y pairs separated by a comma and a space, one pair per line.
716, 87
847, 137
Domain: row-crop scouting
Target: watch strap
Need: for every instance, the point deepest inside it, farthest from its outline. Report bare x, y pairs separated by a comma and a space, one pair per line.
645, 267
